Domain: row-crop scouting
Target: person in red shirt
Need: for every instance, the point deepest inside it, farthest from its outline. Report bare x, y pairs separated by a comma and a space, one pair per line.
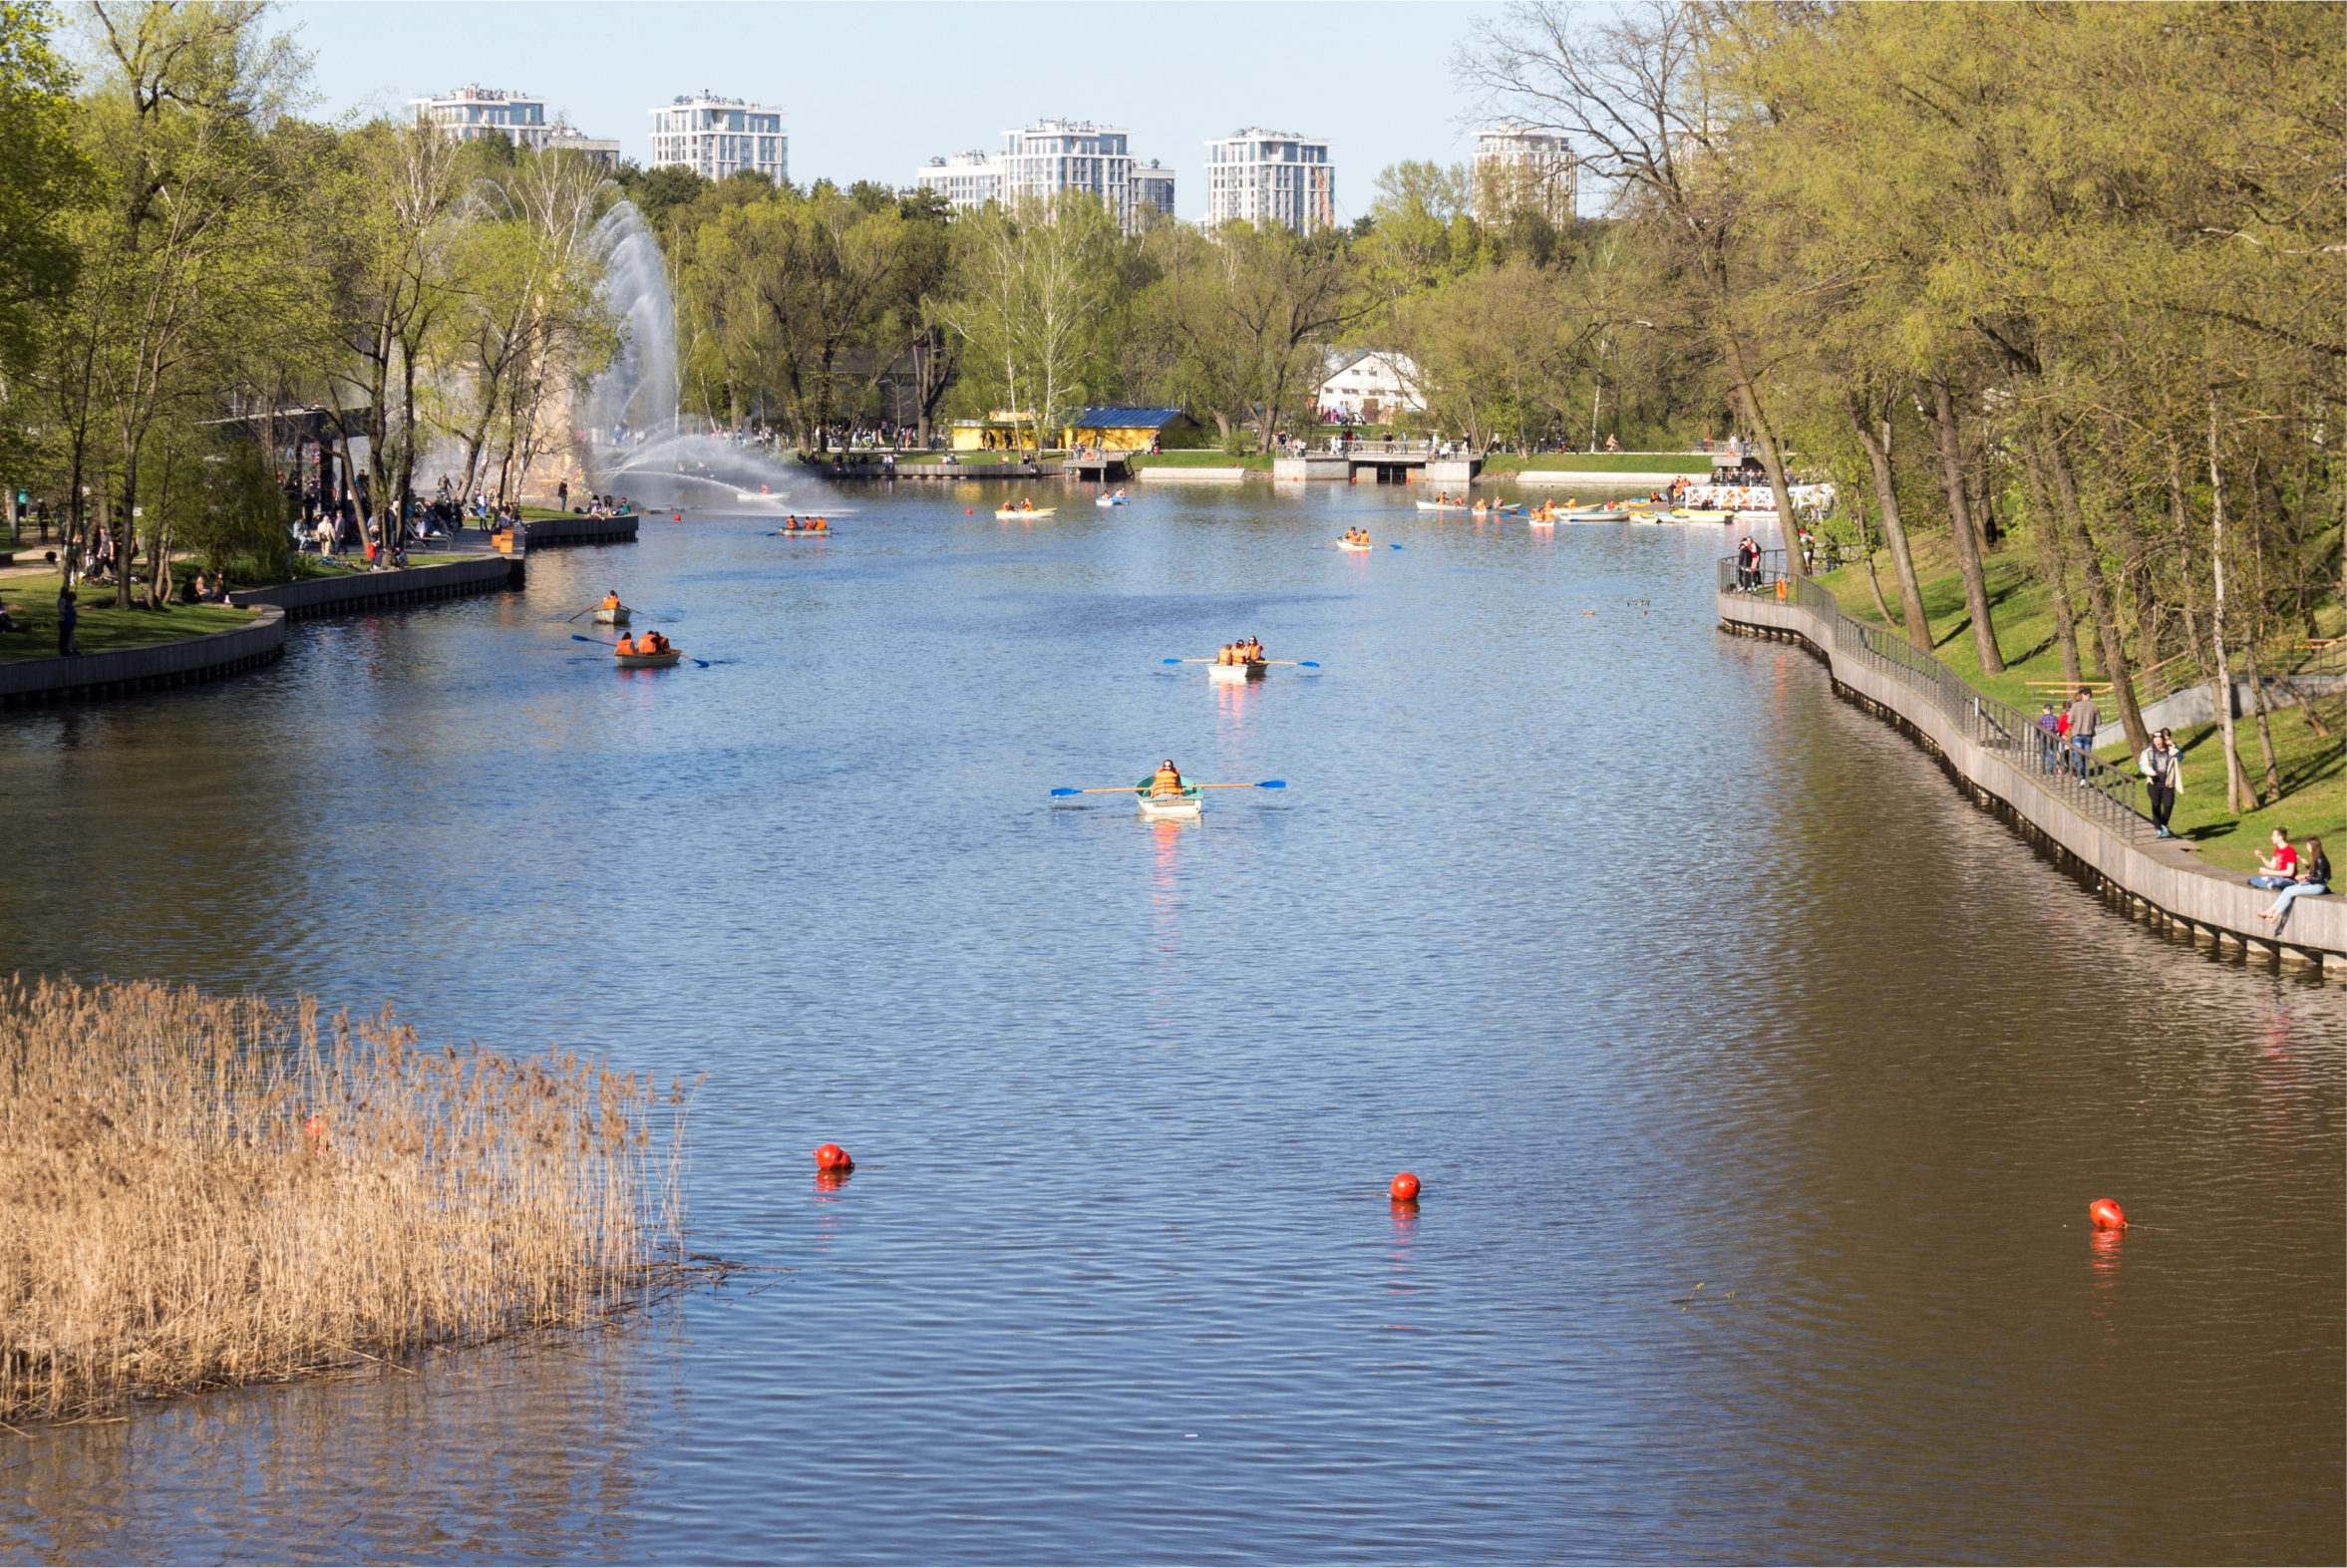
2282, 866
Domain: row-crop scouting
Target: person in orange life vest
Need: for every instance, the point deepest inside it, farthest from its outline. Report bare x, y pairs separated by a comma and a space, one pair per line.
1167, 782
626, 646
611, 601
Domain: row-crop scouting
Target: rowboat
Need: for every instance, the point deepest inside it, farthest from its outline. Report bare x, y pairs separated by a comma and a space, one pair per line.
1013, 514
803, 533
616, 617
1252, 671
1348, 544
1103, 500
1496, 511
1443, 506
646, 661
1596, 514
1188, 804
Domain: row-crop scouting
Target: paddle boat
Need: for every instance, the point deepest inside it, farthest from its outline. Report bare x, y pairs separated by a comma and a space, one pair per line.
1014, 514
618, 617
646, 661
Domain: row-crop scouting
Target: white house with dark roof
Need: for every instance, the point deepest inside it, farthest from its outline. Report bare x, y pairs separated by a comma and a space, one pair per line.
1372, 386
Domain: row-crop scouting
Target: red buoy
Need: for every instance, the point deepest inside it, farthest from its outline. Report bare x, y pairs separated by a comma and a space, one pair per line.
969, 511
2106, 1215
830, 1157
1404, 1188
679, 518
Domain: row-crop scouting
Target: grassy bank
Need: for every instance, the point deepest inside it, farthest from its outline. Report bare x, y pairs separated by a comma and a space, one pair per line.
2312, 766
31, 605
1258, 460
1602, 463
197, 1192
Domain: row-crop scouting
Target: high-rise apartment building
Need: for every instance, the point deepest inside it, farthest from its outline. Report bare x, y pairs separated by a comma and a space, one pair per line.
716, 136
471, 112
1270, 178
1521, 169
602, 151
1038, 161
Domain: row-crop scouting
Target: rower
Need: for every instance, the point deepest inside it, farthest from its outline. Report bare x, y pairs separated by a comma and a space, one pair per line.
611, 601
626, 646
653, 643
1167, 782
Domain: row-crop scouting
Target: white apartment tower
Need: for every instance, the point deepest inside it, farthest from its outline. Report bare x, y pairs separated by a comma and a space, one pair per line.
1270, 176
1520, 170
716, 136
1040, 160
470, 112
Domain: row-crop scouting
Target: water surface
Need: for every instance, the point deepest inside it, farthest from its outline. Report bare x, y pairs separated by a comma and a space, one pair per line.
1758, 1081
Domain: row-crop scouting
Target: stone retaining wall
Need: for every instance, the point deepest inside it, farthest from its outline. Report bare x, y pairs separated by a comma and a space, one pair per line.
82, 677
2155, 880
544, 531
360, 590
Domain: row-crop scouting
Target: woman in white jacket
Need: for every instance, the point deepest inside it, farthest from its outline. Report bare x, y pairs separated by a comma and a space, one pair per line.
2162, 768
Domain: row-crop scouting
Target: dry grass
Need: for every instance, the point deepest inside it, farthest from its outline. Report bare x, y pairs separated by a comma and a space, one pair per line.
197, 1191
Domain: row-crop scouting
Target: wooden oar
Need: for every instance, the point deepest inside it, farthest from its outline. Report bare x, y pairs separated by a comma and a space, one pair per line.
1268, 784
1309, 664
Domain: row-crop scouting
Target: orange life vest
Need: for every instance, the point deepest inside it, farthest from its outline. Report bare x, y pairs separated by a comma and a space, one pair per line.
1166, 782
610, 601
626, 644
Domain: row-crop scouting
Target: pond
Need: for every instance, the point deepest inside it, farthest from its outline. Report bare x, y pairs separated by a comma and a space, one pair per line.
1758, 1082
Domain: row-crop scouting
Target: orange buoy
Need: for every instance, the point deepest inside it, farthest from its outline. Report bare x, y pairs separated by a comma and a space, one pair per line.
830, 1157
679, 518
969, 511
2106, 1215
1404, 1188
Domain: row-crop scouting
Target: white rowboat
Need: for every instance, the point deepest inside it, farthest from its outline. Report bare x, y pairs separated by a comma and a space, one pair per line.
1171, 807
616, 617
1011, 513
1237, 672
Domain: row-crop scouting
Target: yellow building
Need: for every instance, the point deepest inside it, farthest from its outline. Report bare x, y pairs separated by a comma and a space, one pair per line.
1003, 430
1131, 430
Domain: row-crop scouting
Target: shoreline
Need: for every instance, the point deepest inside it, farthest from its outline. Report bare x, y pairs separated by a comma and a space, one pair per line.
2153, 881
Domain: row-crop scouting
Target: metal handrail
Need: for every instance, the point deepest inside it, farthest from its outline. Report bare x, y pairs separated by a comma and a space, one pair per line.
2098, 792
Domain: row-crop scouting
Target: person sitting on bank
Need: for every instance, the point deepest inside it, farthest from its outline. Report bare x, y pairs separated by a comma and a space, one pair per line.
2312, 881
2281, 868
1167, 782
2162, 768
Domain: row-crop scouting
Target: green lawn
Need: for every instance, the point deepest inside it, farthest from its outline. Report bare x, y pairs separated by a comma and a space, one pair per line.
32, 602
2313, 767
1201, 459
1601, 463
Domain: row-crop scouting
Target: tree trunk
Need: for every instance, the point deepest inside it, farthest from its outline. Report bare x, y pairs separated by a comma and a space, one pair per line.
2047, 532
2098, 596
1775, 466
1951, 480
1874, 583
1875, 437
2257, 707
2237, 782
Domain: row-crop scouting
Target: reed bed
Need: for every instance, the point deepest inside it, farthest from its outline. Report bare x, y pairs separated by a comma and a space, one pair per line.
198, 1191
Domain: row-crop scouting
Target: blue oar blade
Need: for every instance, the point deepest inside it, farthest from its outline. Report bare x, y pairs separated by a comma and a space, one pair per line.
1272, 784
575, 637
1067, 791
1393, 546
1309, 664
1170, 661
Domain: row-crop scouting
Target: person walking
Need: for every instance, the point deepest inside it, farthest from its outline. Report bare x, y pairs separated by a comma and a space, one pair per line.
2162, 768
2085, 719
67, 618
2048, 747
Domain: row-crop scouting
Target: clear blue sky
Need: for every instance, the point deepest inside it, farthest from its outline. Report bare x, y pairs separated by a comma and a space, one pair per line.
875, 90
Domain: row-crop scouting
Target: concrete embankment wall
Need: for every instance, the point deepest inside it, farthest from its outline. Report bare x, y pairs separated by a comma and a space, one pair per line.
362, 590
2156, 881
544, 531
84, 677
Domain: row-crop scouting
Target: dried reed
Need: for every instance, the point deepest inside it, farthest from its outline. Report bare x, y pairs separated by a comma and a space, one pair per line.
198, 1191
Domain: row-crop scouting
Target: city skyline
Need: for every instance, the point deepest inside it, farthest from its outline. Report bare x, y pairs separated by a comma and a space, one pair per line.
815, 62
